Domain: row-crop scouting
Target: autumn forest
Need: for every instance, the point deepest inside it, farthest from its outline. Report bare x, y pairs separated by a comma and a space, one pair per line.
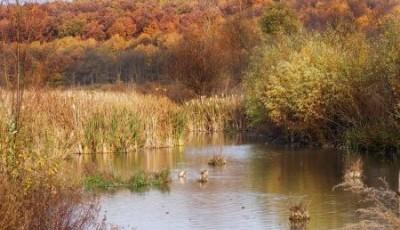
205, 46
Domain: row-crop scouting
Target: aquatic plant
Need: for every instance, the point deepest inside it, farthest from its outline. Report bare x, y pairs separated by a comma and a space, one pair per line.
354, 169
203, 176
299, 212
217, 161
97, 181
139, 181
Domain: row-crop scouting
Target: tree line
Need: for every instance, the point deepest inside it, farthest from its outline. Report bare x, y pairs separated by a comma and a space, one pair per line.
201, 46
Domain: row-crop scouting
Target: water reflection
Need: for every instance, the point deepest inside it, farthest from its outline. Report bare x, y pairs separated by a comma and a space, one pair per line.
123, 165
251, 192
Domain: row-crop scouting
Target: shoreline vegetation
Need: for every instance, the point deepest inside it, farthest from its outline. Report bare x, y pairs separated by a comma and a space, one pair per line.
92, 121
81, 121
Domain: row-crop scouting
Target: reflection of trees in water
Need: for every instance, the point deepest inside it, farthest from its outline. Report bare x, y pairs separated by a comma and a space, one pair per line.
301, 171
313, 173
124, 165
375, 168
196, 139
310, 173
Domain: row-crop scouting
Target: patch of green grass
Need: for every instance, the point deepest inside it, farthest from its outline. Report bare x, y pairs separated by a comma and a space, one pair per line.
139, 182
97, 182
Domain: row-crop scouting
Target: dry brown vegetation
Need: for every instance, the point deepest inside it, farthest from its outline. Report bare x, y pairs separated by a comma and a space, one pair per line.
217, 161
48, 205
36, 191
380, 203
88, 121
216, 114
299, 215
91, 121
382, 206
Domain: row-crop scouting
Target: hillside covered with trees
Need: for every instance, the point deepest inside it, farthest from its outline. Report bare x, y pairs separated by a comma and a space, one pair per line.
201, 46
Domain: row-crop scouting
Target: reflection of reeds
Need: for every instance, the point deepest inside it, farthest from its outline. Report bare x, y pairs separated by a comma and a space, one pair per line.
298, 225
217, 160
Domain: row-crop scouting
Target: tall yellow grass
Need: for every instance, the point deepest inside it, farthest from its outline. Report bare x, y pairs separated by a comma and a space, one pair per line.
217, 113
90, 121
94, 121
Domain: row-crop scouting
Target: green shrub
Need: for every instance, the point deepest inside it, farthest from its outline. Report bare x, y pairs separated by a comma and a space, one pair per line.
315, 86
375, 138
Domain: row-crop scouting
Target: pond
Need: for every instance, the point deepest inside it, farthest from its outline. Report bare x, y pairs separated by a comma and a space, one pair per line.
253, 190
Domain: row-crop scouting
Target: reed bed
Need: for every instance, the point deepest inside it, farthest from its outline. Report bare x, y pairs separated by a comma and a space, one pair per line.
76, 121
91, 121
215, 114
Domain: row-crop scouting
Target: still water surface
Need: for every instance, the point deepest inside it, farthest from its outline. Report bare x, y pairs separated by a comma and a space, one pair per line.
252, 191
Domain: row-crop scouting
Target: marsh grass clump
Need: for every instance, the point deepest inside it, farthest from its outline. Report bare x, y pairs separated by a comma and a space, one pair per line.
142, 181
203, 176
99, 182
139, 181
217, 161
299, 213
354, 169
145, 181
353, 172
